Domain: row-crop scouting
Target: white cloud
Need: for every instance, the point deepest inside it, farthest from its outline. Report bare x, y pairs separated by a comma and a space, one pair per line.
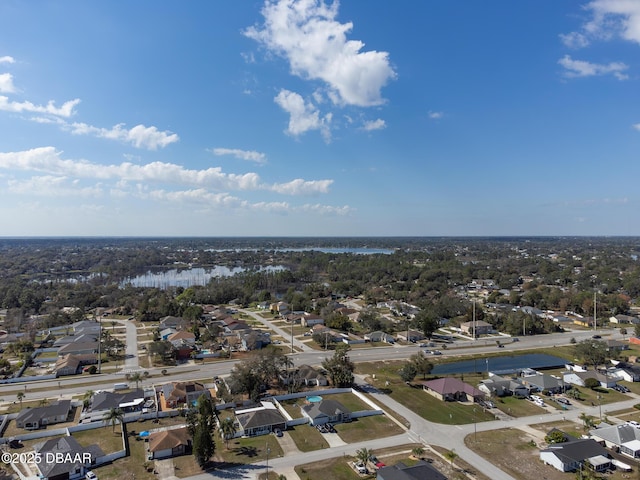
223, 200
303, 116
378, 124
574, 40
435, 115
49, 161
140, 136
302, 187
609, 19
308, 35
581, 68
249, 155
7, 59
636, 126
66, 110
6, 83
52, 186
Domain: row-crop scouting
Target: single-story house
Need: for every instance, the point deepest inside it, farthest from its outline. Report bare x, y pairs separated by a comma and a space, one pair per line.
617, 345
126, 401
78, 348
39, 417
71, 364
82, 458
502, 386
86, 327
581, 453
379, 336
411, 336
623, 319
309, 320
451, 389
260, 420
165, 333
326, 411
180, 393
543, 382
312, 377
255, 340
170, 443
182, 337
627, 372
481, 328
579, 378
623, 438
420, 471
177, 323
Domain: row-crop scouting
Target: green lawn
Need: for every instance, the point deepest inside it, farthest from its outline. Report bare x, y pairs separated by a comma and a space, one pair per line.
425, 405
307, 438
367, 428
247, 450
518, 407
349, 400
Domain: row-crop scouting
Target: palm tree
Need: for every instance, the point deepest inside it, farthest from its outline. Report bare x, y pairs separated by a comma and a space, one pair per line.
136, 377
418, 452
363, 455
86, 398
228, 428
20, 396
451, 455
587, 421
113, 416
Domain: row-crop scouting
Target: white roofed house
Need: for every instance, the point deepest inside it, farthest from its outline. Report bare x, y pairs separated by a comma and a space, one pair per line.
625, 438
579, 378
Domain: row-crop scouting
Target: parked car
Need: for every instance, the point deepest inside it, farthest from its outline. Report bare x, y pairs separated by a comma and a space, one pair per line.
278, 432
90, 476
563, 400
360, 468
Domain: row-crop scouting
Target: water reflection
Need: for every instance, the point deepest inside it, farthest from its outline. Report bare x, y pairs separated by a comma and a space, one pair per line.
188, 277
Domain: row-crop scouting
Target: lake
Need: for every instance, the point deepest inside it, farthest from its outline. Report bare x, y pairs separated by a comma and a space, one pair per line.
506, 364
187, 277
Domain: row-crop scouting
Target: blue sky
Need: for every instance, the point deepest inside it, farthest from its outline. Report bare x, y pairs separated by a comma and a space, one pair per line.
306, 118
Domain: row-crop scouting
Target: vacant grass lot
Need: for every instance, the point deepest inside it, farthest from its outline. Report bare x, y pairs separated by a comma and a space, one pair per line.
307, 438
247, 450
367, 428
518, 407
414, 398
349, 400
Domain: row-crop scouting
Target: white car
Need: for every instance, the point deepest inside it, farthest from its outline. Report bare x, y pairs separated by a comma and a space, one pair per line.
360, 468
90, 476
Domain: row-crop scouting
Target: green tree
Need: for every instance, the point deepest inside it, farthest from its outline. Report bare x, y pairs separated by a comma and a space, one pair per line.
417, 452
86, 399
555, 436
340, 367
408, 372
20, 396
636, 330
422, 364
135, 377
592, 352
427, 321
228, 429
451, 455
113, 416
203, 444
591, 383
363, 455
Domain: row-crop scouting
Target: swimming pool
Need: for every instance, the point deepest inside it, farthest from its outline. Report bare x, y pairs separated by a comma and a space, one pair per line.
314, 399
